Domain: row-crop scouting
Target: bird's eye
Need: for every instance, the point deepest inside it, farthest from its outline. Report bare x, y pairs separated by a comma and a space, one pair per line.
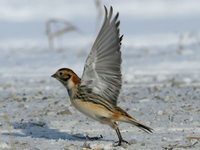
60, 73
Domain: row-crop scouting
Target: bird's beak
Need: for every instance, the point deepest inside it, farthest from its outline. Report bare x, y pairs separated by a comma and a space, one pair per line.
54, 75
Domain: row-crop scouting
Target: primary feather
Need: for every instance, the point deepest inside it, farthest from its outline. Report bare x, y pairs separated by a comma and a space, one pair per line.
102, 71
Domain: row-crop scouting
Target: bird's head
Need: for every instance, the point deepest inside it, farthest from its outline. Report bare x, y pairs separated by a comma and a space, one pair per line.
67, 77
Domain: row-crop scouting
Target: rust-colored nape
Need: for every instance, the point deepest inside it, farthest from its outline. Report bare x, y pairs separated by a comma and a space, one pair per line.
76, 79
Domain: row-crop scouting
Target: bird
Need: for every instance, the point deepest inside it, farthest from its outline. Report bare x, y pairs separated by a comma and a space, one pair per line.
95, 94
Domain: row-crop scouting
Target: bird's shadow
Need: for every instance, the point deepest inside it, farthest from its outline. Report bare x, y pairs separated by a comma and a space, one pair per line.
41, 130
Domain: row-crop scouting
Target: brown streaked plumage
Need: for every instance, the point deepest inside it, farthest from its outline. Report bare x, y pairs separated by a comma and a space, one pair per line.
96, 93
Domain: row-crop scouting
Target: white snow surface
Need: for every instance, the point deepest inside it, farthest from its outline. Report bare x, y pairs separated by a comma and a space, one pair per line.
161, 69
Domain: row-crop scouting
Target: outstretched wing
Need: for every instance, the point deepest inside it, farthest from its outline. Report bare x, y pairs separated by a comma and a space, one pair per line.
102, 71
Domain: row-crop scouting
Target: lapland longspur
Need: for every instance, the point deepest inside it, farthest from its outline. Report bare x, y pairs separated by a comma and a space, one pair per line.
96, 93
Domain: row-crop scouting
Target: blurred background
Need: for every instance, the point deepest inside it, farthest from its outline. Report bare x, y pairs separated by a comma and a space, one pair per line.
161, 70
38, 37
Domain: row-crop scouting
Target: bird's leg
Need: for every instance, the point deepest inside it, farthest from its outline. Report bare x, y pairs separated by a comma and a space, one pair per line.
119, 136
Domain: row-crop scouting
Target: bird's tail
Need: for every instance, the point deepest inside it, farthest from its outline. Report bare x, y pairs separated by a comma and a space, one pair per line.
125, 117
140, 125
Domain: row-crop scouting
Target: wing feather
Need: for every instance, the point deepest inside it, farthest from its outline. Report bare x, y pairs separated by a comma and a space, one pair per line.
102, 71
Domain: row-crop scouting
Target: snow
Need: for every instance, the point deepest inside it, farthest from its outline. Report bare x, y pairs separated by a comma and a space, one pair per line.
161, 85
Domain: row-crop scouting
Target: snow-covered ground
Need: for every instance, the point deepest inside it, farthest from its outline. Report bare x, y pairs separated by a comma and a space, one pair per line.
161, 69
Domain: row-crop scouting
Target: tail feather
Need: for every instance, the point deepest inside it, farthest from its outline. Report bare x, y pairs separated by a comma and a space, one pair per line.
123, 116
141, 126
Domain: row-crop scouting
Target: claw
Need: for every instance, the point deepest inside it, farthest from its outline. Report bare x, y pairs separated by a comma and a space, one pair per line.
119, 143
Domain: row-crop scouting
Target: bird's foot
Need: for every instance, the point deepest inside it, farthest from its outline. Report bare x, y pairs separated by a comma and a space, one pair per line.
94, 138
119, 143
